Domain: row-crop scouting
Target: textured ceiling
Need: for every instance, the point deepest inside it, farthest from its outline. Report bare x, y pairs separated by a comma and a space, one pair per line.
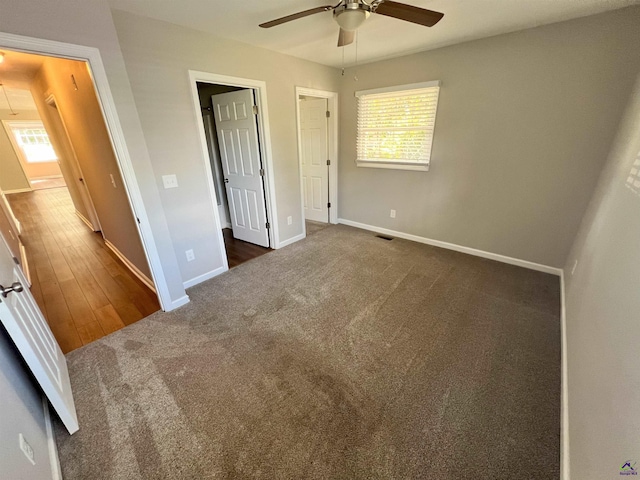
314, 38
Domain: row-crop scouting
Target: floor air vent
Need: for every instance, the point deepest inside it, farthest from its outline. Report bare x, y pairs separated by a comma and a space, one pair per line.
384, 237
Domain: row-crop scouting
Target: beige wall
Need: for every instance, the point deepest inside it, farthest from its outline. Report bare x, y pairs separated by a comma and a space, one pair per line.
89, 23
12, 175
603, 310
158, 56
524, 123
80, 112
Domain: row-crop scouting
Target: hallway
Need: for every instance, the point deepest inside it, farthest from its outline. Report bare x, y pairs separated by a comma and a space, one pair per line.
83, 289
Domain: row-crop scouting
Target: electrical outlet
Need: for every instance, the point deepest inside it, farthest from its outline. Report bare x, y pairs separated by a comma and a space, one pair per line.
393, 214
26, 449
113, 180
170, 181
575, 265
190, 256
289, 220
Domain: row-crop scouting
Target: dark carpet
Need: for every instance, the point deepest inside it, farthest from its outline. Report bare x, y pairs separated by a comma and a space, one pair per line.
343, 356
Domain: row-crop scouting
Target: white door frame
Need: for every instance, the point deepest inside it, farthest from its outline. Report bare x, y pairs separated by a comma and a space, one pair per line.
92, 56
332, 131
260, 88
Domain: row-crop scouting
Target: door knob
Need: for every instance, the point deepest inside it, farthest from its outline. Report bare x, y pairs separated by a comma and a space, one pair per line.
15, 287
226, 180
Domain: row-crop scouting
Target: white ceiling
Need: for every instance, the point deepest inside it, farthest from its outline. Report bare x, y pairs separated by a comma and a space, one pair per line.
20, 100
314, 38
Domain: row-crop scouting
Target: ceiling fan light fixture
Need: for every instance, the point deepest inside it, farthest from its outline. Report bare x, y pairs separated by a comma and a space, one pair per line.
350, 19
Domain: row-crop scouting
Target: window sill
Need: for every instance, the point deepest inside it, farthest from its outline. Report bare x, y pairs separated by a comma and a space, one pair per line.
416, 167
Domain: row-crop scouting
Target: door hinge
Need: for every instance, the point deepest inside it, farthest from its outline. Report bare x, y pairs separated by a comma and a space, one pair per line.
328, 114
268, 225
328, 162
138, 220
255, 110
329, 205
16, 261
262, 172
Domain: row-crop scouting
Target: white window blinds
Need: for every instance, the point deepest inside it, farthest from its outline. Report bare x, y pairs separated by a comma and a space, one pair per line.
396, 125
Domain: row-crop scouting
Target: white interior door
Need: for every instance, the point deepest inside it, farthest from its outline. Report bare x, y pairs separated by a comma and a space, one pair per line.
314, 144
29, 331
237, 133
4, 204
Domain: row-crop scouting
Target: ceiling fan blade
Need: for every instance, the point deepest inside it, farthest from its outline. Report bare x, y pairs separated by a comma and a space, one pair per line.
295, 16
409, 13
345, 37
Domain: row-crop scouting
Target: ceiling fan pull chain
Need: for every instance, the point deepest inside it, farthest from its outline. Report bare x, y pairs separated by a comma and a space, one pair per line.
355, 75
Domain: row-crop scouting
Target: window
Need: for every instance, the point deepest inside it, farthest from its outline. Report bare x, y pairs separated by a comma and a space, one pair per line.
32, 139
396, 125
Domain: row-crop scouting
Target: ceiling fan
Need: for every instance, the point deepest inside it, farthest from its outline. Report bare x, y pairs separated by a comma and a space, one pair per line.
350, 14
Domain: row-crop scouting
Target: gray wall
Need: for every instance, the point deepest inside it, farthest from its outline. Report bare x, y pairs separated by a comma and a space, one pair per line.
525, 121
21, 412
158, 56
89, 23
12, 175
603, 310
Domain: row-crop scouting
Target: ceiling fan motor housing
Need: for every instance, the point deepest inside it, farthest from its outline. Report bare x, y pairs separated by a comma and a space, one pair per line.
350, 15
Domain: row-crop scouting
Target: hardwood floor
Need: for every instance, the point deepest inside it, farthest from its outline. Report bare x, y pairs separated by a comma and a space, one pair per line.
238, 251
83, 289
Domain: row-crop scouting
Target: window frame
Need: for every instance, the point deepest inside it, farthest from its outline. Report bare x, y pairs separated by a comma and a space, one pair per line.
422, 165
13, 126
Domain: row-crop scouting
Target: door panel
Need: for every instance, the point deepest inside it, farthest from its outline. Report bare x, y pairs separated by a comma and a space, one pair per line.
236, 205
314, 152
237, 132
30, 332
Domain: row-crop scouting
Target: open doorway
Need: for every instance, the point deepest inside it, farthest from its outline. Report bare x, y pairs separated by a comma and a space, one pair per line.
318, 157
86, 262
232, 130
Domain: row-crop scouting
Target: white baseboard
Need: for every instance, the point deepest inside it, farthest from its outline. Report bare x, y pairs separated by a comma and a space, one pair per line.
143, 278
46, 177
84, 219
564, 388
458, 248
56, 472
227, 225
204, 277
18, 190
291, 240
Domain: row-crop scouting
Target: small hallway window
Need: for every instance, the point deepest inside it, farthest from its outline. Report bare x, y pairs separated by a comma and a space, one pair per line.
33, 141
396, 126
